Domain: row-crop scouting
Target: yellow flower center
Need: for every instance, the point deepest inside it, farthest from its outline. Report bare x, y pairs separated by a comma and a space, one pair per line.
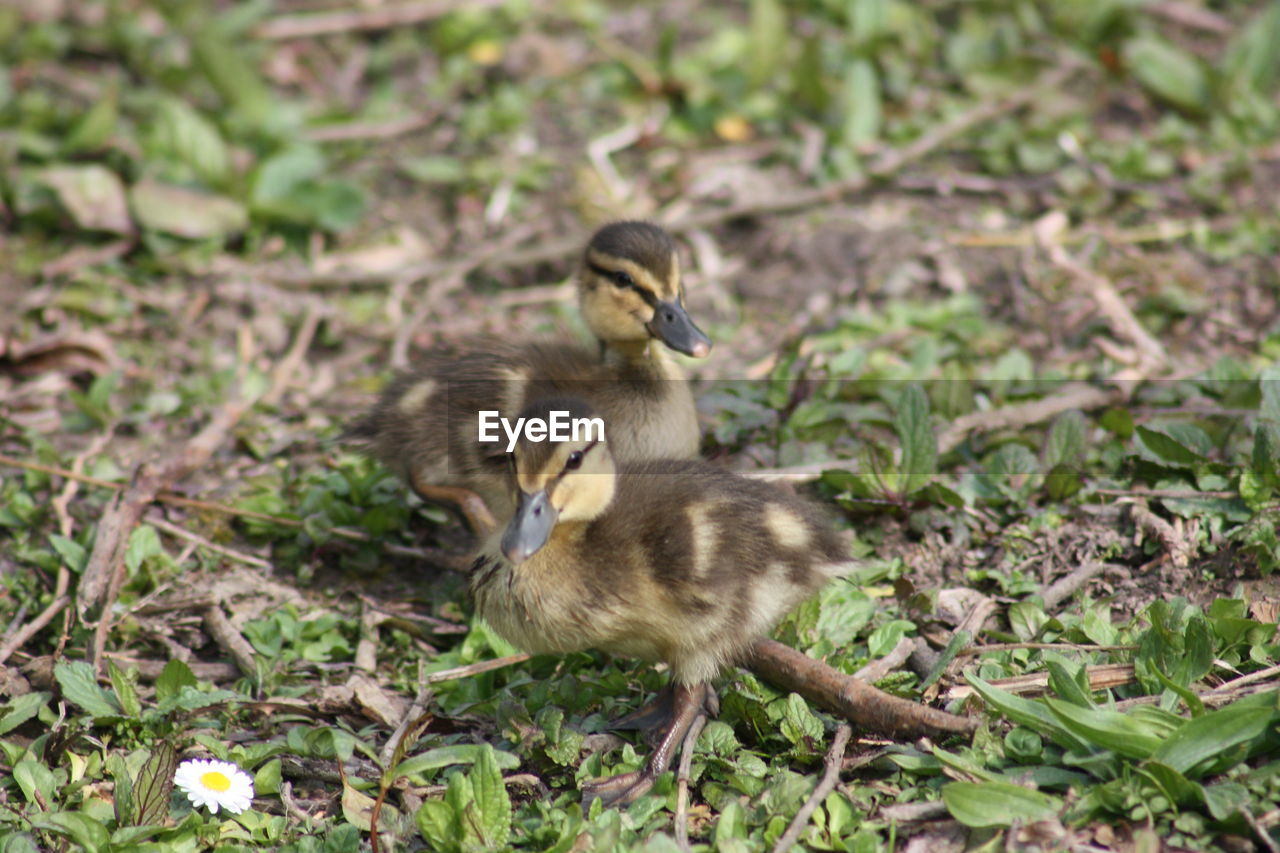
215, 781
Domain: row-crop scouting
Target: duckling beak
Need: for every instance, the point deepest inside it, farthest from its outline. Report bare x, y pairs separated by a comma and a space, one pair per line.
530, 527
672, 326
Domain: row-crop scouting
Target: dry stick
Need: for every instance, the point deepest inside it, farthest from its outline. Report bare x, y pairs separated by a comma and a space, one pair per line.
1065, 587
1071, 647
682, 782
35, 626
150, 670
475, 668
229, 639
351, 131
830, 776
1112, 307
310, 24
230, 553
367, 647
288, 365
1258, 829
1163, 493
1101, 677
854, 699
878, 669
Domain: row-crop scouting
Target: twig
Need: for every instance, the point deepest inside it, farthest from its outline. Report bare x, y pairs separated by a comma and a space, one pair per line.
475, 668
1065, 587
1113, 308
1101, 677
288, 365
311, 24
149, 670
413, 715
366, 658
1074, 396
1073, 647
230, 553
35, 626
912, 812
830, 776
352, 131
1164, 493
1192, 17
854, 699
682, 782
1178, 541
878, 669
230, 640
291, 807
1258, 829
1251, 678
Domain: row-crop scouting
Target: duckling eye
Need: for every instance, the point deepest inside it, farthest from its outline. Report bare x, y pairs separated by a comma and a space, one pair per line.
622, 279
574, 461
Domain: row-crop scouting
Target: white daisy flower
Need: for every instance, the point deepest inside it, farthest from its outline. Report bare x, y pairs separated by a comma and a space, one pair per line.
216, 784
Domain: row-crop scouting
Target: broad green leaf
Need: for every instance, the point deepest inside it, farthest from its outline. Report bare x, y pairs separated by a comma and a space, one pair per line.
1108, 729
1168, 72
144, 542
1066, 444
443, 756
184, 212
22, 708
36, 782
492, 801
983, 805
1225, 799
73, 554
768, 39
122, 794
184, 135
1167, 449
798, 722
1026, 712
93, 195
154, 784
126, 693
173, 678
919, 446
1067, 685
95, 127
80, 685
230, 73
267, 778
1180, 790
438, 825
79, 827
861, 102
1213, 734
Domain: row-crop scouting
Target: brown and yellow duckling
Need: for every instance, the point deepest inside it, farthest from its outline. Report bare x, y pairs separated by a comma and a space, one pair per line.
425, 425
665, 560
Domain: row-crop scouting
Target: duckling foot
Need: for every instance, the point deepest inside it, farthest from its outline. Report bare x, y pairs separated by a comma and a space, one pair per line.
687, 702
653, 715
470, 505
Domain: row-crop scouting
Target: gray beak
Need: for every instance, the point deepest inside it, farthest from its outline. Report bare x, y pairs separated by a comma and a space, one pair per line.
530, 527
672, 326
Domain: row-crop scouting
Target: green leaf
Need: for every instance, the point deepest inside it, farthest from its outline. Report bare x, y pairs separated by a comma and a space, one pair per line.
1066, 444
862, 112
22, 708
798, 722
186, 136
93, 195
443, 756
267, 778
73, 554
1108, 729
492, 801
184, 212
919, 446
80, 685
154, 784
1225, 799
767, 40
1168, 72
1026, 712
122, 795
1167, 449
95, 127
79, 827
1067, 684
36, 781
1213, 734
126, 693
984, 805
437, 823
173, 678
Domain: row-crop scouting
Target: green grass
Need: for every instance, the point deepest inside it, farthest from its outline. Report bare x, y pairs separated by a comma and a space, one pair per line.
180, 193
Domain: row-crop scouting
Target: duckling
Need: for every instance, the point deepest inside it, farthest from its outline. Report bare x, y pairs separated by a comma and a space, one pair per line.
425, 425
665, 560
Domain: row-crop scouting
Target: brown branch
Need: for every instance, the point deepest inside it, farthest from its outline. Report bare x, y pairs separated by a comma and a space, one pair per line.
1065, 587
1101, 677
827, 784
1073, 396
311, 24
288, 365
863, 705
196, 539
35, 626
878, 669
682, 782
353, 131
1069, 647
230, 640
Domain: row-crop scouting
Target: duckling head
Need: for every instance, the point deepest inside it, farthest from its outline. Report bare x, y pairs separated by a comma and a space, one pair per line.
557, 481
630, 289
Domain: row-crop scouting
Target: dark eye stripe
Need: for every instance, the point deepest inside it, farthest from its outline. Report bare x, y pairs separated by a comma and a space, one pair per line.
558, 477
614, 275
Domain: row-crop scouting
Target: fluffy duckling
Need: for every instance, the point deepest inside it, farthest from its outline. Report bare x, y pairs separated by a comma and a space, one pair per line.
665, 560
425, 425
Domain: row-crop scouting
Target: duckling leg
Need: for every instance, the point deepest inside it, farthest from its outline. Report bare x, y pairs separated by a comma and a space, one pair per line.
686, 704
471, 505
652, 715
